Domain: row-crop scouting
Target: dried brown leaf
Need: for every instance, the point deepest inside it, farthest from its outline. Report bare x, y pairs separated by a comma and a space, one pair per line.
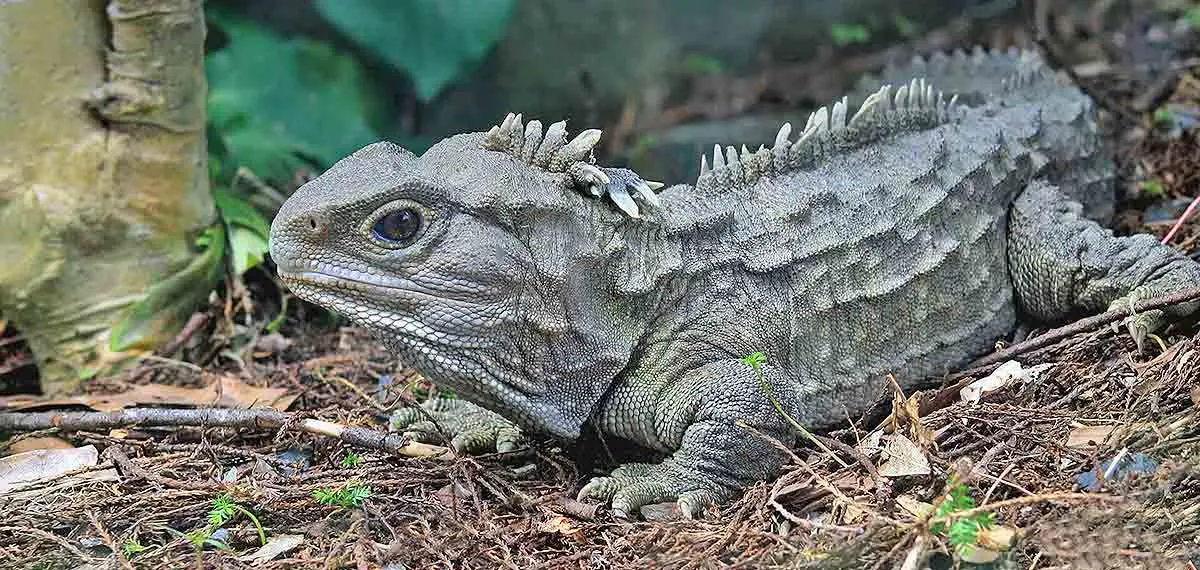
33, 443
559, 524
1084, 436
225, 391
917, 508
998, 538
903, 458
39, 465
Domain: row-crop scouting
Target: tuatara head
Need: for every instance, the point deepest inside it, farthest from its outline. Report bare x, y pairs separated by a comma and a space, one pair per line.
473, 265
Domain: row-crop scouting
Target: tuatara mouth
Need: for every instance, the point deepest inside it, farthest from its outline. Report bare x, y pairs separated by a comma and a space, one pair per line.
349, 283
367, 303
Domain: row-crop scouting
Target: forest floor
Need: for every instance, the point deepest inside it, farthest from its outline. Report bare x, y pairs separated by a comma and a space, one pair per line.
1090, 458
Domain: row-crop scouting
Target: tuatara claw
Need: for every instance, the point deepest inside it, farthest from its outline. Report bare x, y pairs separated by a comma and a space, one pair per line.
471, 429
623, 186
1142, 325
635, 485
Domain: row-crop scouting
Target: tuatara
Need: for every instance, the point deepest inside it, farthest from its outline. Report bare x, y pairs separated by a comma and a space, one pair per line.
904, 232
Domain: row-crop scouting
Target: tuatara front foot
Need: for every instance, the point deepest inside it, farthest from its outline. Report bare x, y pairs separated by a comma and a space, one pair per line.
471, 428
1139, 325
634, 485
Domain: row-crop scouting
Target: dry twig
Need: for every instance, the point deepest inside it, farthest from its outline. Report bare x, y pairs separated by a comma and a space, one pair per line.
264, 418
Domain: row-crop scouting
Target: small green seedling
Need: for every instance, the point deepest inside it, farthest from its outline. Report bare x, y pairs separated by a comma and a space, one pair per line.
964, 531
351, 460
1152, 187
348, 497
1162, 117
223, 510
847, 34
756, 360
132, 547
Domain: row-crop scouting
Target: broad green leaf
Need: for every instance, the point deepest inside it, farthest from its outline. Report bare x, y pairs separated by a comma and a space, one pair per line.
277, 103
247, 249
248, 230
434, 41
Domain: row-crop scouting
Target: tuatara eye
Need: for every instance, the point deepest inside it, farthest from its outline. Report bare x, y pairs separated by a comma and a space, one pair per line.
398, 226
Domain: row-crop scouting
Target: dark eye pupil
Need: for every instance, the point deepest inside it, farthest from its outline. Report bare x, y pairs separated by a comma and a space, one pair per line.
401, 225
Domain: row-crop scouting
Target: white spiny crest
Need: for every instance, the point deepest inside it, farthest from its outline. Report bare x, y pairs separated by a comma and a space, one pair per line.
837, 119
552, 152
868, 106
916, 88
578, 149
533, 137
819, 120
516, 135
881, 113
733, 167
781, 138
556, 136
901, 97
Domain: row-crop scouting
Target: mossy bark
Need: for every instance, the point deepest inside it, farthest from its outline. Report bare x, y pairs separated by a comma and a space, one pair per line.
103, 175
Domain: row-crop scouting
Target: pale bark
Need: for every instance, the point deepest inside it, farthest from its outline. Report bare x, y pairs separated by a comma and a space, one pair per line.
103, 174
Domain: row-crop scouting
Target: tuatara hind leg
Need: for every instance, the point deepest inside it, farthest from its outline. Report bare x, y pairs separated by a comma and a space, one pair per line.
471, 429
697, 419
1063, 264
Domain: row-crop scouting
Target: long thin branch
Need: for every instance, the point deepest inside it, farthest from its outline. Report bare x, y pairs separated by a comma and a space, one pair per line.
1087, 324
949, 394
217, 417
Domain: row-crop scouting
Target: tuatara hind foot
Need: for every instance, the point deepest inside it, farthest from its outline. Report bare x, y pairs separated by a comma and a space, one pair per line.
634, 485
1141, 325
471, 429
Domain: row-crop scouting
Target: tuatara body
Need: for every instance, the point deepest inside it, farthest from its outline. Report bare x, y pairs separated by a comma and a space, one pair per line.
902, 233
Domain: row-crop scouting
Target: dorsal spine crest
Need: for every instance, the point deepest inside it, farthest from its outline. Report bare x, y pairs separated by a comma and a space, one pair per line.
885, 112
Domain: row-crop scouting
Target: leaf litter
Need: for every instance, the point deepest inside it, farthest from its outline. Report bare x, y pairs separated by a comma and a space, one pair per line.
1093, 463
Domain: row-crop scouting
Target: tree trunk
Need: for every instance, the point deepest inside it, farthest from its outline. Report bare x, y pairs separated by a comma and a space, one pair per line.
103, 178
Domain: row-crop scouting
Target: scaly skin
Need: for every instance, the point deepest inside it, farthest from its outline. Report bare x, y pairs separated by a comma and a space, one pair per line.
905, 240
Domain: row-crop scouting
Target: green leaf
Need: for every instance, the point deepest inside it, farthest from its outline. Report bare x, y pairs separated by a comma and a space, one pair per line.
434, 41
348, 497
279, 103
847, 34
237, 212
222, 510
963, 531
1152, 187
132, 547
754, 360
248, 230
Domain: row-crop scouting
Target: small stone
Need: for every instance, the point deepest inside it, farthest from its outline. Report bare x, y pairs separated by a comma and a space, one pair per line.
662, 512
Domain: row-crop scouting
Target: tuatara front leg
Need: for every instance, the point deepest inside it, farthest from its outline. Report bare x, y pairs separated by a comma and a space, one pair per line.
1063, 264
696, 421
470, 428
